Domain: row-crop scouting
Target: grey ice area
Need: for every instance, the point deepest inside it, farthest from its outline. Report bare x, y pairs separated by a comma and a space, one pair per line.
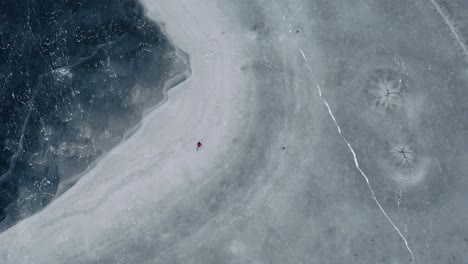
333, 131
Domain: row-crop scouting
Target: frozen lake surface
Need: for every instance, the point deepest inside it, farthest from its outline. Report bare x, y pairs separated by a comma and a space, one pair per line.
332, 131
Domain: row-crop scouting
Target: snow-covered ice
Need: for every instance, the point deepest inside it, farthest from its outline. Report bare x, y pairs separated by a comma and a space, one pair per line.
159, 161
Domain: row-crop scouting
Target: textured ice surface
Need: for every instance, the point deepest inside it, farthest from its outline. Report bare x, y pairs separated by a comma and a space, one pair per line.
300, 162
75, 78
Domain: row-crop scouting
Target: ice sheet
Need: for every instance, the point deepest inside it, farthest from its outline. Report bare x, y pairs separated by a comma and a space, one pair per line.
300, 163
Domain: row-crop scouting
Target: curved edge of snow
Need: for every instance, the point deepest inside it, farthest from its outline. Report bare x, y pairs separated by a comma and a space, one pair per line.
158, 159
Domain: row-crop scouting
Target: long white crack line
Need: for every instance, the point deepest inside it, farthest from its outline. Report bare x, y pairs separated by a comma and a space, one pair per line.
451, 26
356, 163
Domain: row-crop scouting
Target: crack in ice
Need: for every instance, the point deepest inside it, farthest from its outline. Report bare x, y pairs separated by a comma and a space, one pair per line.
356, 163
451, 26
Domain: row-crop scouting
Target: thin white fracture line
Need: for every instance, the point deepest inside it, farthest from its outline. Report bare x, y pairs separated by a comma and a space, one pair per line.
377, 201
356, 163
311, 72
451, 26
333, 117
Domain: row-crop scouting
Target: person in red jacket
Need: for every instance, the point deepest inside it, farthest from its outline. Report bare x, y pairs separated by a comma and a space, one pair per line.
199, 144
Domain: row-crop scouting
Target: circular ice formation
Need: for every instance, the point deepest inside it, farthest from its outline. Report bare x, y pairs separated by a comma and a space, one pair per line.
403, 155
404, 165
386, 88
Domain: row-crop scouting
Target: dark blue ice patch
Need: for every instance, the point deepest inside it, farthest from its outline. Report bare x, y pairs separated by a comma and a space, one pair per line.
75, 76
